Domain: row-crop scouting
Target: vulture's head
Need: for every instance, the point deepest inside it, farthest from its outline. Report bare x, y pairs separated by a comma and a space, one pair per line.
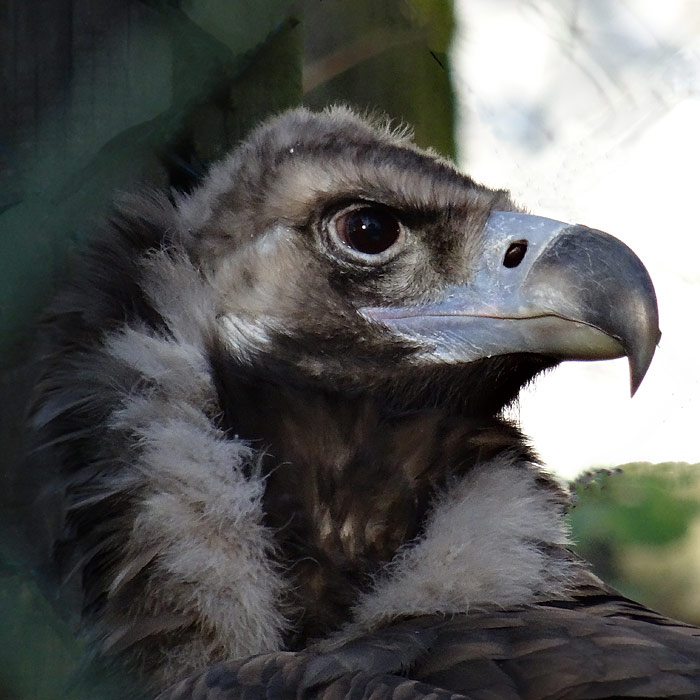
345, 257
276, 401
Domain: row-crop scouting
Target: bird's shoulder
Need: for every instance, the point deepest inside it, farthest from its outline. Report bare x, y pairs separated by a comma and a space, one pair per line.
594, 644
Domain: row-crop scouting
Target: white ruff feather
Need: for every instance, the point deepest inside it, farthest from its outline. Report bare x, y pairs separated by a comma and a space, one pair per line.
200, 517
480, 548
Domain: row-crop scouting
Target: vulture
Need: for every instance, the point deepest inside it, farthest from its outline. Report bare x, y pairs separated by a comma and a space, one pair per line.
276, 403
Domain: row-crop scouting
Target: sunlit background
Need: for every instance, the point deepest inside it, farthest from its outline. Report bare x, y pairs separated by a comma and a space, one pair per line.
589, 112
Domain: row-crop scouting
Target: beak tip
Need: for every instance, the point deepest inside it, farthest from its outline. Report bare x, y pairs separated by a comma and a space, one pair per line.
639, 363
634, 384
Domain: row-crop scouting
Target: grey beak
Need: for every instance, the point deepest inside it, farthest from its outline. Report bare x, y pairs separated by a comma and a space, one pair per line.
542, 286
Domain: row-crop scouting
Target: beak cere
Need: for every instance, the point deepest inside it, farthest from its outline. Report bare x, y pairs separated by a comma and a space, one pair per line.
545, 287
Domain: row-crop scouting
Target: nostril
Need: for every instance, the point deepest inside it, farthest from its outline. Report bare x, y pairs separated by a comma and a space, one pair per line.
515, 253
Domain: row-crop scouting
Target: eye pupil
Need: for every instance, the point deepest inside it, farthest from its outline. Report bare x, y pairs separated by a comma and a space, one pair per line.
368, 230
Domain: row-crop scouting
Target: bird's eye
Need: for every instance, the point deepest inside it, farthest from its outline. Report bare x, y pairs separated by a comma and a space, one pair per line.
369, 230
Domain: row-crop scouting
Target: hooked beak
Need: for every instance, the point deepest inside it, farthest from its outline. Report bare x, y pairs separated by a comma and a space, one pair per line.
545, 287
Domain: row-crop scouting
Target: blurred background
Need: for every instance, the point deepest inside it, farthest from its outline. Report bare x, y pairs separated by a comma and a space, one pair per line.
587, 110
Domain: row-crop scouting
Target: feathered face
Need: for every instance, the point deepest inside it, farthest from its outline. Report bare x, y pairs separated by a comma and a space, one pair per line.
344, 255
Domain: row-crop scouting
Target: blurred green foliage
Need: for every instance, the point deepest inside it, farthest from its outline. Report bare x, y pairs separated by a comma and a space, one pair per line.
389, 57
636, 504
40, 655
639, 527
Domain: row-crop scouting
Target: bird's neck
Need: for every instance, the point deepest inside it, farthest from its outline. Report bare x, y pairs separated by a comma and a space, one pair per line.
348, 482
